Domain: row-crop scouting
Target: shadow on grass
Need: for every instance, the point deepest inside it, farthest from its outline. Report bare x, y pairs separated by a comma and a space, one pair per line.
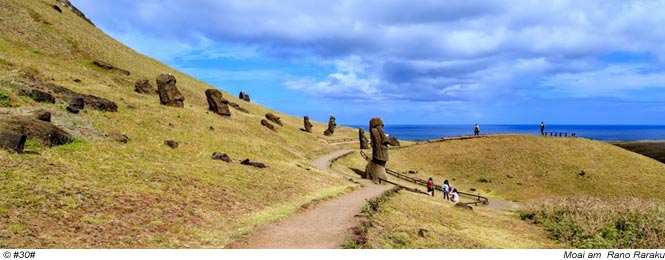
360, 173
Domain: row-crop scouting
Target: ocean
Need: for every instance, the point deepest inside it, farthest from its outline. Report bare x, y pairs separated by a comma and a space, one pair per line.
596, 132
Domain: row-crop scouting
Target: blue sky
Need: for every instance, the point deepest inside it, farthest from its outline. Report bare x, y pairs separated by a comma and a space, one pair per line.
413, 62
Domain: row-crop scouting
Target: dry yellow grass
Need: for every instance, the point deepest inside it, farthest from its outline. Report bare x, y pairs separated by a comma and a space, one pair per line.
399, 222
585, 222
522, 167
99, 193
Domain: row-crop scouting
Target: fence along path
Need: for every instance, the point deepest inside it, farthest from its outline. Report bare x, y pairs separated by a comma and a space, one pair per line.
478, 198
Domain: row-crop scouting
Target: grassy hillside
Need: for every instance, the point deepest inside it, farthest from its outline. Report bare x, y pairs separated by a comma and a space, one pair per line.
585, 193
99, 193
522, 167
410, 220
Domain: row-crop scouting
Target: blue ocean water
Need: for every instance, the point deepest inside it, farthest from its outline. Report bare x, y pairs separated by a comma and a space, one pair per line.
596, 132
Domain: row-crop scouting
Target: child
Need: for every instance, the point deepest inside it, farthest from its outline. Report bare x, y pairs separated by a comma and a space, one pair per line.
454, 196
446, 190
430, 187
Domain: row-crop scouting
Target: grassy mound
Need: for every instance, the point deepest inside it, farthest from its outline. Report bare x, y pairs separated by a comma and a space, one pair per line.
522, 167
616, 187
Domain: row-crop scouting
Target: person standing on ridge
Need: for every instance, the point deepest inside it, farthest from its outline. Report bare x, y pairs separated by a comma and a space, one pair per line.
476, 130
542, 128
430, 187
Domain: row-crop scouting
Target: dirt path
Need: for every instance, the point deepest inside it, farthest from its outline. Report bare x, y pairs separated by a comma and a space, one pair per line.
324, 226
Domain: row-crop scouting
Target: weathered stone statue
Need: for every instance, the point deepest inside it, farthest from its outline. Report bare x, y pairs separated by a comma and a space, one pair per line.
376, 168
244, 96
331, 126
268, 125
364, 143
308, 125
169, 95
143, 86
273, 118
217, 103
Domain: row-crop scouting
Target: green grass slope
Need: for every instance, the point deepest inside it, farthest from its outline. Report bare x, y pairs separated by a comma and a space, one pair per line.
99, 193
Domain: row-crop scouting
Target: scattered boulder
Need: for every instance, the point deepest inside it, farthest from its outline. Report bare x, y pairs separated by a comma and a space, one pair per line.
331, 127
55, 7
413, 171
221, 156
274, 119
61, 92
171, 143
238, 107
143, 86
268, 125
308, 125
255, 164
44, 132
42, 115
364, 142
169, 95
244, 96
13, 142
75, 105
118, 137
423, 232
216, 103
107, 66
463, 206
41, 96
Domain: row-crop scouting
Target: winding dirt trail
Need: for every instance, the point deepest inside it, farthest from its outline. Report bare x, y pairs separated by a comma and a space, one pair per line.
323, 226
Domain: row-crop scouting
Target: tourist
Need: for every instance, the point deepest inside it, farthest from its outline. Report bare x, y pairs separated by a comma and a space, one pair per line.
476, 130
430, 187
454, 196
542, 128
446, 190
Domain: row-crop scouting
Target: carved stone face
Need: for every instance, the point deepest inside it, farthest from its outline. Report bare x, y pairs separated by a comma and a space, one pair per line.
375, 122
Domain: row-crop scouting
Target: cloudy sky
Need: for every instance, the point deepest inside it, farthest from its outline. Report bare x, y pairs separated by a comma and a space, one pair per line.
413, 62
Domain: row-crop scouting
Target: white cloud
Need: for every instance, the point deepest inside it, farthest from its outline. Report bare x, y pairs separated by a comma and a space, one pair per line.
424, 51
610, 81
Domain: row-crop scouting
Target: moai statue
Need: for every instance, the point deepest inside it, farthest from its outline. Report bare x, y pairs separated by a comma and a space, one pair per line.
169, 95
217, 103
308, 125
331, 126
376, 168
364, 143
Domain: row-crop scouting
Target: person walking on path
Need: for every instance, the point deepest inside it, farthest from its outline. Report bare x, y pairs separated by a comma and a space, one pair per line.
542, 128
430, 187
454, 196
476, 130
446, 190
